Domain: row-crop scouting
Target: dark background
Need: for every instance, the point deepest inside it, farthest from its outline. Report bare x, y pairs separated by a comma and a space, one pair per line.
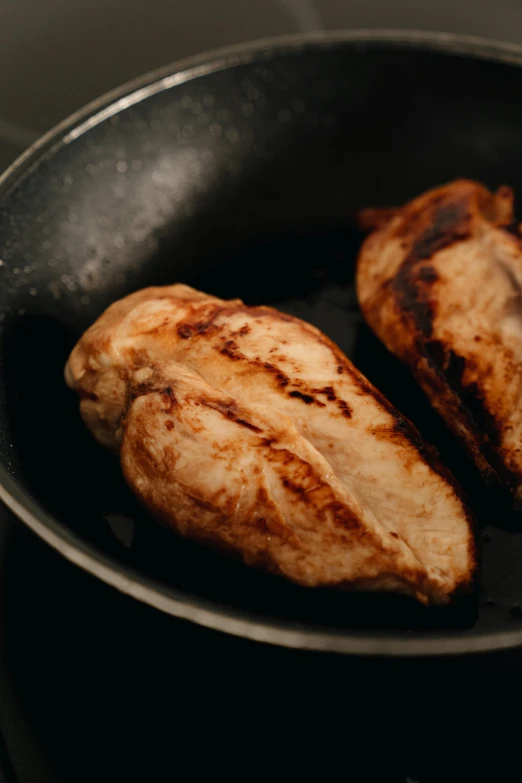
55, 55
93, 686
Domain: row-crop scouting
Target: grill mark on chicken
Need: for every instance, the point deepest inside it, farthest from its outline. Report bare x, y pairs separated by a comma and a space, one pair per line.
268, 441
415, 297
185, 331
202, 321
446, 223
299, 484
329, 391
231, 349
230, 411
344, 408
306, 398
281, 378
450, 369
244, 330
331, 396
151, 386
427, 274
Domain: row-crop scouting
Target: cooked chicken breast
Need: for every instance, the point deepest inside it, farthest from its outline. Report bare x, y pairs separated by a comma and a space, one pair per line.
440, 282
248, 430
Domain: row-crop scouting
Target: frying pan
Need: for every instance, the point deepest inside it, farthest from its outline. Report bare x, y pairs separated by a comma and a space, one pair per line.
240, 173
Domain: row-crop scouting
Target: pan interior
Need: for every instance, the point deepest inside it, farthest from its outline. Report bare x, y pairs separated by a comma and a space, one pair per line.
244, 183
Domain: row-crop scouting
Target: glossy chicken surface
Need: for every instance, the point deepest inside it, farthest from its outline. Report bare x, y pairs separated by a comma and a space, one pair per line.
440, 282
248, 430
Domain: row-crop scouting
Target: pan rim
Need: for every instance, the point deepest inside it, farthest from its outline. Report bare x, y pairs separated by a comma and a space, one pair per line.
130, 581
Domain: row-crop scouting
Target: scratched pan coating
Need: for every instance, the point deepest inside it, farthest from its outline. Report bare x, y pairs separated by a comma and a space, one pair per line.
240, 174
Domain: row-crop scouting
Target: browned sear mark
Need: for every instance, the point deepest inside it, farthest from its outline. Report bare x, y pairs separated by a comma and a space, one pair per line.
281, 378
297, 489
427, 274
231, 350
230, 411
306, 398
345, 409
328, 391
448, 223
268, 441
203, 326
445, 224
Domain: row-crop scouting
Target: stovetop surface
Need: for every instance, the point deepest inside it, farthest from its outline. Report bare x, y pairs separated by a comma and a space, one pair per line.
94, 686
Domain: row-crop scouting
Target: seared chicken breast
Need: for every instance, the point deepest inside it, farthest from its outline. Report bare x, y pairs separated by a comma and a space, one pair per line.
440, 282
248, 430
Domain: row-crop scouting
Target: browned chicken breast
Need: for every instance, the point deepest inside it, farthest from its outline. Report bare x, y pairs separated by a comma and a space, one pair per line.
248, 430
440, 282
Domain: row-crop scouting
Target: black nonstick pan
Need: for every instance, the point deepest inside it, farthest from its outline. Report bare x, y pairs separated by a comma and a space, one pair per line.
240, 173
